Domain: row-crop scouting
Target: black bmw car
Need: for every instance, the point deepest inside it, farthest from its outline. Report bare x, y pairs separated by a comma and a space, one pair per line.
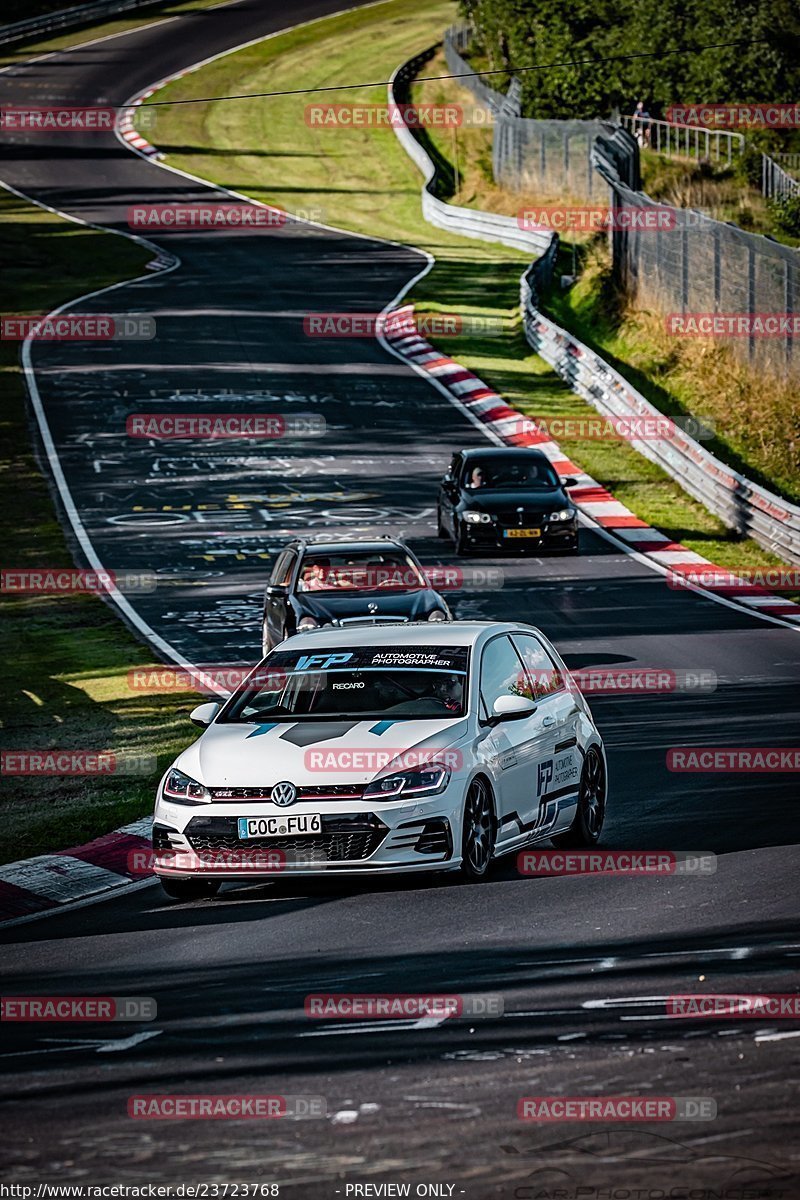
315, 583
506, 499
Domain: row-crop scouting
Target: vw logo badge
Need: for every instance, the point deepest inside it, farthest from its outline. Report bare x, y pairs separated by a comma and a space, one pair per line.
284, 793
372, 607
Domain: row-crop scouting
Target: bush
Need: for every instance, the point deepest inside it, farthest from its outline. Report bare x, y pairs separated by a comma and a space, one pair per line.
750, 165
786, 213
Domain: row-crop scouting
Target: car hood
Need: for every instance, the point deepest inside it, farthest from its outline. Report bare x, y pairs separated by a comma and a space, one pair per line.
263, 755
328, 607
496, 501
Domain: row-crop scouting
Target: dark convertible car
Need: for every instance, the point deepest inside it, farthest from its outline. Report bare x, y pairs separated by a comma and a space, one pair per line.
315, 583
505, 498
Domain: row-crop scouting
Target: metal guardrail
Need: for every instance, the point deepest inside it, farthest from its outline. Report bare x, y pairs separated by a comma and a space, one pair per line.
741, 504
65, 18
468, 222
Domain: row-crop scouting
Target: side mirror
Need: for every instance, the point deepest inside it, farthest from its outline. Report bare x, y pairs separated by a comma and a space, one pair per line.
276, 589
204, 713
512, 708
569, 482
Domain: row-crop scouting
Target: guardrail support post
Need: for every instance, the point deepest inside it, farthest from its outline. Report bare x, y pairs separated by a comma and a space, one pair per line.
717, 270
751, 297
788, 298
684, 267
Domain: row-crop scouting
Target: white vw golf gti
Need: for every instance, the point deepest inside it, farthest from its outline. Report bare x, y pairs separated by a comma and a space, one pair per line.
378, 749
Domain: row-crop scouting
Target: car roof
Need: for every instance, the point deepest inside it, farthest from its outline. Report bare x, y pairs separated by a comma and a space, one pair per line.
489, 452
415, 633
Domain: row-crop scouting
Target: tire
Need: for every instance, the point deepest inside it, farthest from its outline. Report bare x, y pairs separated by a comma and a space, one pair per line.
460, 541
477, 832
440, 529
190, 889
587, 826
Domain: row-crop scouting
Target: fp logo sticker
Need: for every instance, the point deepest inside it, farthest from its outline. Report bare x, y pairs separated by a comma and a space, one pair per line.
322, 662
545, 775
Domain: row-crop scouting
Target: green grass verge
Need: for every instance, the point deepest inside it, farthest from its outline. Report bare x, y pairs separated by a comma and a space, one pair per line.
757, 418
63, 659
361, 179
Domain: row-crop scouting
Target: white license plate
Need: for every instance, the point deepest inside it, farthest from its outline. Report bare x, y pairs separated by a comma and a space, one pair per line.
265, 827
522, 533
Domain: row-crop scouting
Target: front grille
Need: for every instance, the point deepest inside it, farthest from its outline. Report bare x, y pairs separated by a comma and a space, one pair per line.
511, 519
424, 837
241, 793
252, 795
337, 791
434, 839
161, 837
343, 839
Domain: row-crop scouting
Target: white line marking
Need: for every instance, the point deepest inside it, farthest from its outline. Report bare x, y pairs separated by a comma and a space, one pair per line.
777, 1037
377, 1026
99, 1045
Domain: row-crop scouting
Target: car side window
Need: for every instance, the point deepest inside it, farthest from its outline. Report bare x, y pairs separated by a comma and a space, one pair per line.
546, 678
455, 467
282, 571
502, 673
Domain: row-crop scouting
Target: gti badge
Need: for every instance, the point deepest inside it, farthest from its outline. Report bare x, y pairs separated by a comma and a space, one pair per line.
284, 794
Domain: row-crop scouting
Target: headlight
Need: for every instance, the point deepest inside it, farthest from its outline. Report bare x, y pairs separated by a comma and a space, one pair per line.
437, 615
306, 623
563, 514
422, 781
477, 518
183, 790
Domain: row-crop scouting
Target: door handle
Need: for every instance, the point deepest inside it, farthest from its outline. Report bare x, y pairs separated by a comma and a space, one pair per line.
548, 721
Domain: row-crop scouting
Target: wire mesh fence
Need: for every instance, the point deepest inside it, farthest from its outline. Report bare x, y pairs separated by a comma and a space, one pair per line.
551, 158
741, 288
456, 40
708, 278
548, 158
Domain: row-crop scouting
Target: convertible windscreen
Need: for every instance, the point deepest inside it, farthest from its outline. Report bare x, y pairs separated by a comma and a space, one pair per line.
364, 682
510, 473
359, 573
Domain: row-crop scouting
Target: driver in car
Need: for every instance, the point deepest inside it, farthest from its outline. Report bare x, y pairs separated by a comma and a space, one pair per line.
448, 689
316, 577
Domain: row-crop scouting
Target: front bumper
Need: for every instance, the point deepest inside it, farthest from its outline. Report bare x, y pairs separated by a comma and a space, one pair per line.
357, 837
485, 535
